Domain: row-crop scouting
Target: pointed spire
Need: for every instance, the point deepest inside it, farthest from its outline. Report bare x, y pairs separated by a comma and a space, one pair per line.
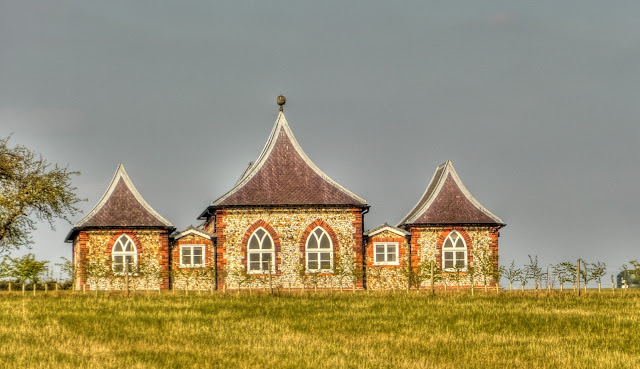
122, 206
284, 175
447, 201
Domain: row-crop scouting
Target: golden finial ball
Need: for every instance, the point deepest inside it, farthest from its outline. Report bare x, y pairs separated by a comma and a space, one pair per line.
281, 100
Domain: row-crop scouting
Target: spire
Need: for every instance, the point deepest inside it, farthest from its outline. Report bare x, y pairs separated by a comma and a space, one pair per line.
122, 206
447, 201
284, 175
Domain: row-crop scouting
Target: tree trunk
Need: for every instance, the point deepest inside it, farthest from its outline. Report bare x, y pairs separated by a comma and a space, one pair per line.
578, 276
433, 291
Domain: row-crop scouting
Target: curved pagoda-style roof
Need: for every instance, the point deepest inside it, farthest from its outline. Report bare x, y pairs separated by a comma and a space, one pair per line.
447, 201
284, 175
121, 206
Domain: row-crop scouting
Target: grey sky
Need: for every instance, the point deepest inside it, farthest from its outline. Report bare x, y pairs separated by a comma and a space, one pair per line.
537, 105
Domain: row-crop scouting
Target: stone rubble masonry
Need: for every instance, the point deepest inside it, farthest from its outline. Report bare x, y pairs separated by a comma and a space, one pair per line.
202, 278
427, 241
289, 227
388, 277
92, 259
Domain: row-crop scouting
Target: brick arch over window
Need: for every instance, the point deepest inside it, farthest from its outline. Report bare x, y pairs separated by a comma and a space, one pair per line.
443, 236
305, 235
131, 234
274, 236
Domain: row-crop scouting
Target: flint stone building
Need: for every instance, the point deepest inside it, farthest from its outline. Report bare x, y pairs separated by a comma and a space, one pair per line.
287, 224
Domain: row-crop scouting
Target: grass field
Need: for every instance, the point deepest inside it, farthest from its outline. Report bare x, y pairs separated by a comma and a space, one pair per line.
360, 330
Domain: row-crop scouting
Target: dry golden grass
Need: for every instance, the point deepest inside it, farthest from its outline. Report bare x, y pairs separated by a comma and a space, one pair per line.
394, 330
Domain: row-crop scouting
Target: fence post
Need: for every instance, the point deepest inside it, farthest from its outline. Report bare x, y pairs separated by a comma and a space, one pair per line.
10, 286
433, 290
34, 288
24, 287
126, 274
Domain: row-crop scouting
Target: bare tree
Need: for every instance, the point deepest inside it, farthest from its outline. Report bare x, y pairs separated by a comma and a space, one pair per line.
598, 270
513, 274
565, 272
533, 271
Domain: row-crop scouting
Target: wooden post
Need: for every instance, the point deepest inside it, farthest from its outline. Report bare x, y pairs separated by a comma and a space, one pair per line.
56, 287
126, 274
84, 288
34, 288
613, 286
271, 281
433, 289
24, 287
46, 287
10, 285
578, 277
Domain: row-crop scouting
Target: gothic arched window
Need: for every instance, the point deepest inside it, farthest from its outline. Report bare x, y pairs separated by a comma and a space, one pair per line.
123, 255
260, 252
319, 251
454, 252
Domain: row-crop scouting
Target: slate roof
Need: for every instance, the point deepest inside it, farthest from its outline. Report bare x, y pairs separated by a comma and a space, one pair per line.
386, 227
284, 175
447, 201
121, 206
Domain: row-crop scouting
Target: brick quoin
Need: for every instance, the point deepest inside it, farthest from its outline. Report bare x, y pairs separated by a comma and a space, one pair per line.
220, 246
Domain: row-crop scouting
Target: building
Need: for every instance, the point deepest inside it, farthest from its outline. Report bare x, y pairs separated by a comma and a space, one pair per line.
286, 224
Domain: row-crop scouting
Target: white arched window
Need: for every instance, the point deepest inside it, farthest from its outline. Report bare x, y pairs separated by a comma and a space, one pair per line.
454, 252
319, 251
260, 252
124, 255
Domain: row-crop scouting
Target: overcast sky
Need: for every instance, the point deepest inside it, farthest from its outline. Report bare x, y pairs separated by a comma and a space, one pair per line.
536, 105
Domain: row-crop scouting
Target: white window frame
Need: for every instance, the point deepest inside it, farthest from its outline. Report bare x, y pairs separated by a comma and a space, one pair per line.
386, 245
261, 252
454, 250
318, 251
124, 254
192, 247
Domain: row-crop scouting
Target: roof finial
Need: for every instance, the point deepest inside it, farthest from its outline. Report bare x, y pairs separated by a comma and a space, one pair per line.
281, 100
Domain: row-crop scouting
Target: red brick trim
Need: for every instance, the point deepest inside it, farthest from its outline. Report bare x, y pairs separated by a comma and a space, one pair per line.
274, 236
192, 240
402, 256
305, 235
